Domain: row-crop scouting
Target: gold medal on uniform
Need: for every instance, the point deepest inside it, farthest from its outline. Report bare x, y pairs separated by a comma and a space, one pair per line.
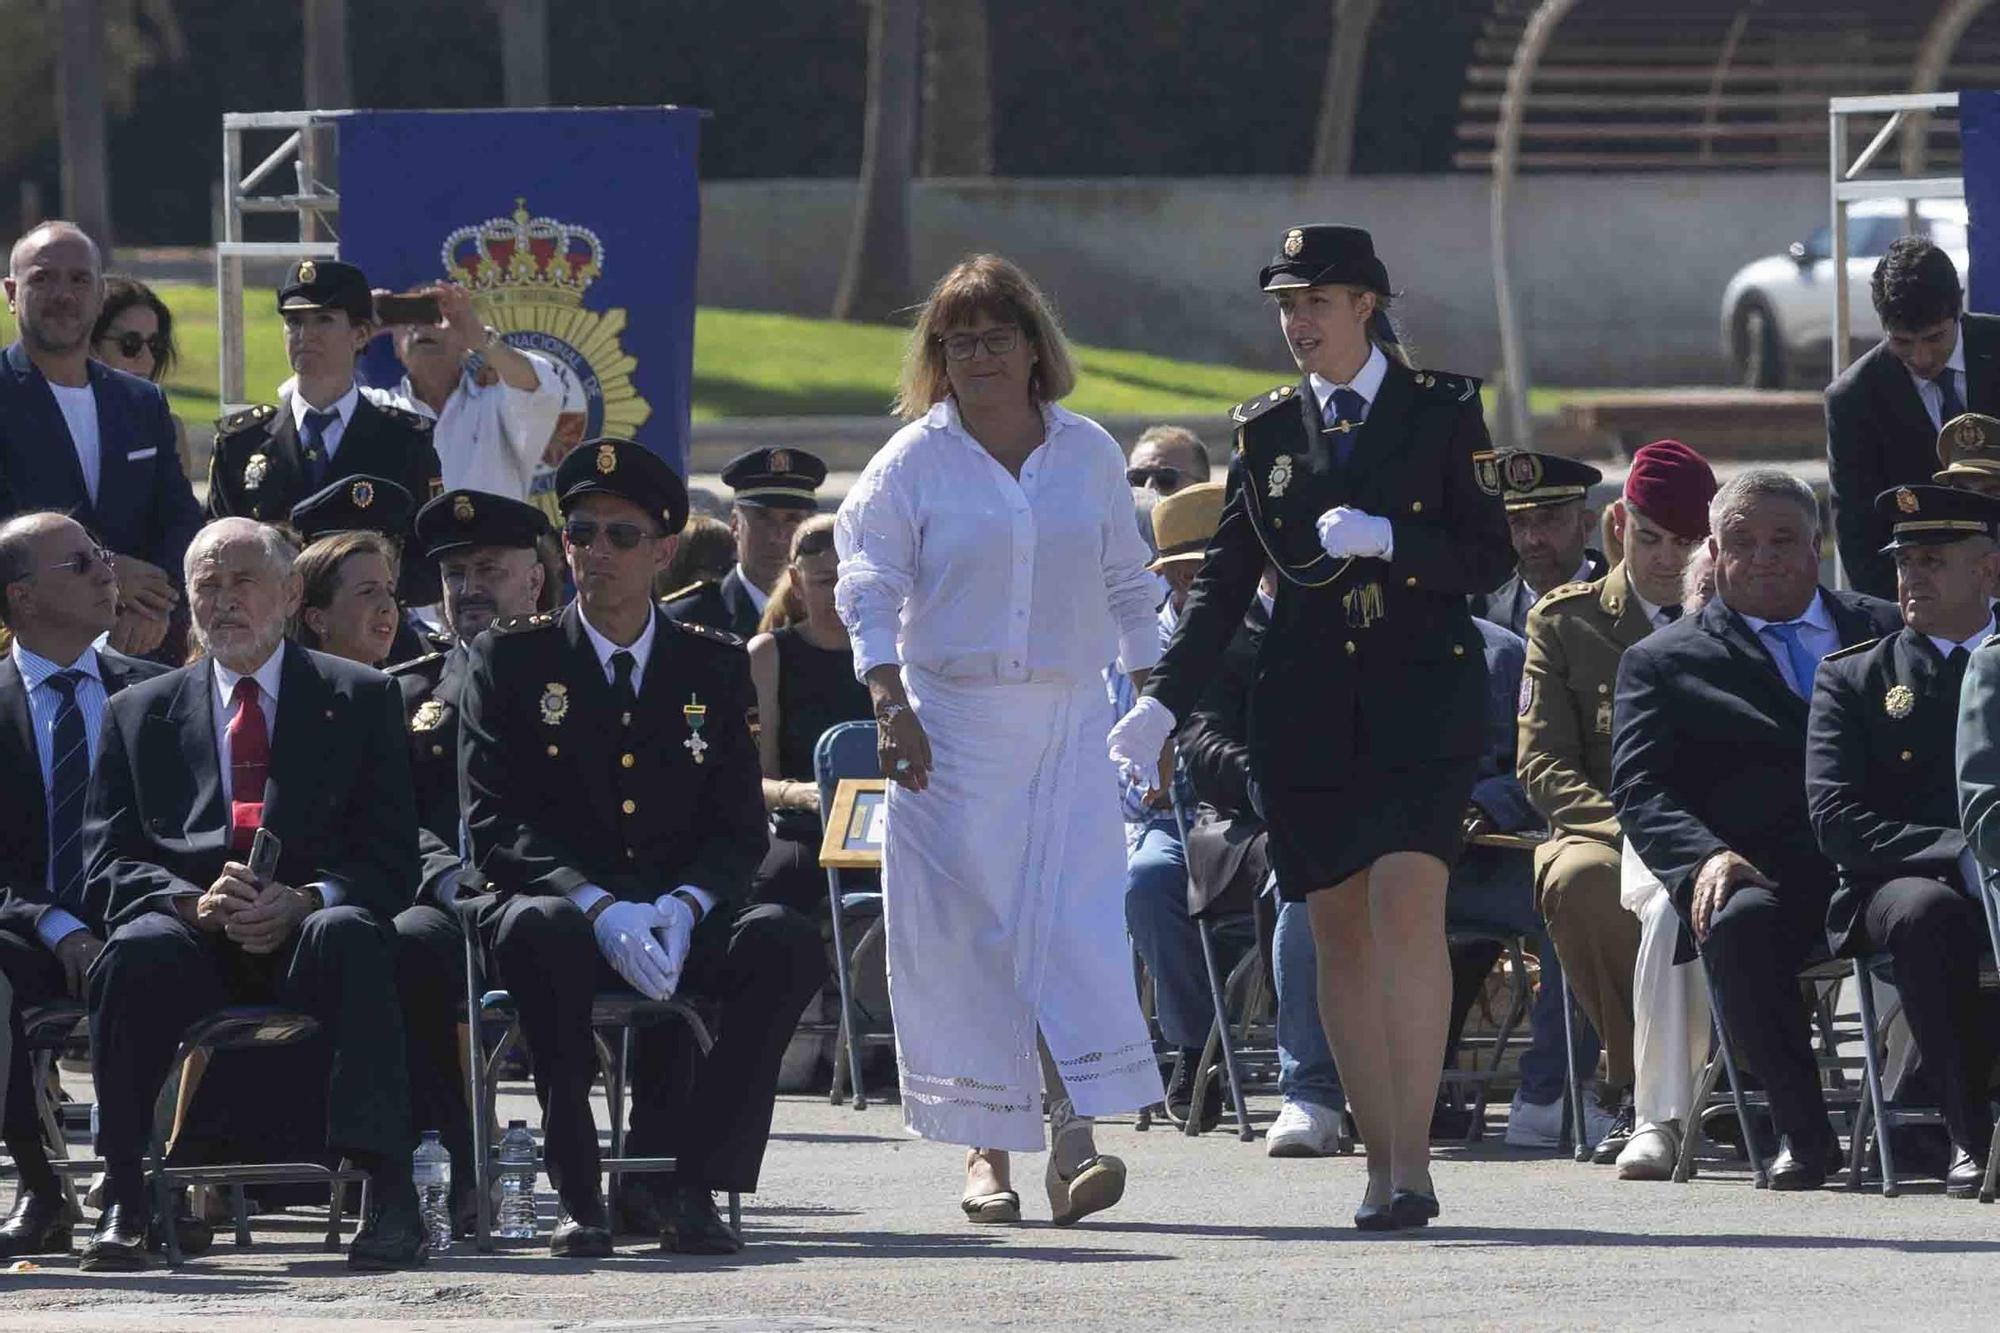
1281, 476
1898, 702
555, 703
429, 714
696, 713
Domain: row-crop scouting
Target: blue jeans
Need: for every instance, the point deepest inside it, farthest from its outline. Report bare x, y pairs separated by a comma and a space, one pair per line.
1169, 941
1306, 1072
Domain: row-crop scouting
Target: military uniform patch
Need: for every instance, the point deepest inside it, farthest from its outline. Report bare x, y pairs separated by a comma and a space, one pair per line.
1281, 476
1898, 702
253, 471
429, 714
554, 703
1527, 699
1486, 471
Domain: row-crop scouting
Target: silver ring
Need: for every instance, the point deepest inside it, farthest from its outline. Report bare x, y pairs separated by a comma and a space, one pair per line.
902, 765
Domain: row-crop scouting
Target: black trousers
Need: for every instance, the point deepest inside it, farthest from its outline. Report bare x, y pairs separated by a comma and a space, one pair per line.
36, 978
1936, 937
430, 983
1757, 944
713, 1115
158, 975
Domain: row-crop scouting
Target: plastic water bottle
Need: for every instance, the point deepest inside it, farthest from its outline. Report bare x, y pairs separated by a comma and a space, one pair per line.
430, 1170
517, 1220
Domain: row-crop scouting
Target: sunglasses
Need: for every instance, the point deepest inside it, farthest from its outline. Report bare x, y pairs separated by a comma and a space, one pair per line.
581, 533
1167, 478
84, 561
129, 343
997, 342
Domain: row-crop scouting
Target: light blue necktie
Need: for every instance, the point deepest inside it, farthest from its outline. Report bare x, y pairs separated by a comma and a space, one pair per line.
1803, 661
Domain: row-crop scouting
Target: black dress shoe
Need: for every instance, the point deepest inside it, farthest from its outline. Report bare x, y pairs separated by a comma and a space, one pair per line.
1412, 1208
1803, 1168
635, 1208
1374, 1217
1180, 1092
39, 1224
119, 1243
392, 1237
574, 1239
1966, 1175
689, 1224
1614, 1140
464, 1213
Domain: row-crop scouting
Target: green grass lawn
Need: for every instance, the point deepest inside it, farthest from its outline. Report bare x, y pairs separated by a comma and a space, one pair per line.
748, 364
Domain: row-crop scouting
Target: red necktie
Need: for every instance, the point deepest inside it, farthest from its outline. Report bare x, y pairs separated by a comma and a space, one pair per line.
249, 765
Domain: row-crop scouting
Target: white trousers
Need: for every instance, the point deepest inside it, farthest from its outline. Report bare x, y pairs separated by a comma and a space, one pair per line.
1670, 1013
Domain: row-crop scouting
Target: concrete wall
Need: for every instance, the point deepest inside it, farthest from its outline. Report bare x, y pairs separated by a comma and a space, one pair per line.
1620, 277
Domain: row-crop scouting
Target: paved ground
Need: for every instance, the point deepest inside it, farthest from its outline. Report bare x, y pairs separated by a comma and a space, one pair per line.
858, 1229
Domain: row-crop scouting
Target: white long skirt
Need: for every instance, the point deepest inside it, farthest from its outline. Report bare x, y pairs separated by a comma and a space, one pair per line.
1003, 886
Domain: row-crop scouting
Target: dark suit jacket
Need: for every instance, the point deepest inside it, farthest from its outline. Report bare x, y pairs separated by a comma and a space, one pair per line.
1878, 435
1880, 778
338, 793
725, 606
24, 829
1709, 751
548, 767
1508, 605
144, 506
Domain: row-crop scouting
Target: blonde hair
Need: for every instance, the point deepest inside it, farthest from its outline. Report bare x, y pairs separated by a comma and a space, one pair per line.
786, 606
997, 289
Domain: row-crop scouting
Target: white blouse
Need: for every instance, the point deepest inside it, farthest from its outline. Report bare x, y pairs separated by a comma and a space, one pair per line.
950, 565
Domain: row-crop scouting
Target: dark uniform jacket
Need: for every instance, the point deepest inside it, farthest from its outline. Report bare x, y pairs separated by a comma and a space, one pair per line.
144, 506
1878, 435
1708, 752
559, 791
337, 796
1225, 829
725, 606
1509, 604
430, 687
1374, 658
1881, 781
24, 831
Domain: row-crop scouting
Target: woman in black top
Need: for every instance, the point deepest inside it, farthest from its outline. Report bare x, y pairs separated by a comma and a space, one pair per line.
804, 673
1371, 487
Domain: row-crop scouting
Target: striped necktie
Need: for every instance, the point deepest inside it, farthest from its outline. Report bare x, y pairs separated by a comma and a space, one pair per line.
69, 779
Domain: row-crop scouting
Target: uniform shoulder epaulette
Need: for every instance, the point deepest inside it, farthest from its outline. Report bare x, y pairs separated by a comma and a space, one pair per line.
688, 591
1566, 592
248, 417
1252, 408
721, 636
521, 624
414, 664
1458, 388
403, 416
1851, 650
1991, 639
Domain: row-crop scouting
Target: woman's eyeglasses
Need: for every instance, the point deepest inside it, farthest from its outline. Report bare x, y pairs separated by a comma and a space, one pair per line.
580, 533
130, 344
997, 342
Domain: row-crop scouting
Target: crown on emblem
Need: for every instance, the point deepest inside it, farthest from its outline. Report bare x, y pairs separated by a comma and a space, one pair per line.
525, 259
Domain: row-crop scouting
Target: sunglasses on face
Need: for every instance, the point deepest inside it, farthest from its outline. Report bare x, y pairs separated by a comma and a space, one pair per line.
130, 343
581, 533
997, 342
84, 561
1165, 478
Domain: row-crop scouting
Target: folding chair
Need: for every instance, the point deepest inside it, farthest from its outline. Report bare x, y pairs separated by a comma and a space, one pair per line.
618, 1011
45, 1030
847, 750
1989, 899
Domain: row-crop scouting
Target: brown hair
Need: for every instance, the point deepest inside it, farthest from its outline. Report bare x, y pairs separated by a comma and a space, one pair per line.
786, 607
318, 568
983, 285
705, 553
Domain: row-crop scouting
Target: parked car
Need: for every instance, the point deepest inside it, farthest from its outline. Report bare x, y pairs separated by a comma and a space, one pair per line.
1777, 312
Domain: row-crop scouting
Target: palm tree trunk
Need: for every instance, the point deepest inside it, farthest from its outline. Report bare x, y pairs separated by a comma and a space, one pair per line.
86, 185
958, 90
875, 282
1346, 60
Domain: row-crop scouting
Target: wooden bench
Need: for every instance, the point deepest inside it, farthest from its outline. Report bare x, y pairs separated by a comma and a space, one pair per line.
1721, 423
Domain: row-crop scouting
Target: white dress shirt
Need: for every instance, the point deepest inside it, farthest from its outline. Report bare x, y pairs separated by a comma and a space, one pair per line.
44, 702
1367, 382
949, 564
758, 597
1656, 616
489, 437
267, 677
1930, 391
1945, 646
1818, 634
343, 412
587, 896
79, 410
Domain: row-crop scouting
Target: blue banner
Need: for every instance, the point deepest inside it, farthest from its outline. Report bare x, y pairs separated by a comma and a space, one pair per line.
575, 230
1979, 141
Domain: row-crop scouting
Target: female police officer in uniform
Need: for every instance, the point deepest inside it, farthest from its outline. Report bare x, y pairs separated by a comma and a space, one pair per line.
1372, 489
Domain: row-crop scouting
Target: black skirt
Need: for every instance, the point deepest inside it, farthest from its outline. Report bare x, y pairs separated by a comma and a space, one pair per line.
1320, 837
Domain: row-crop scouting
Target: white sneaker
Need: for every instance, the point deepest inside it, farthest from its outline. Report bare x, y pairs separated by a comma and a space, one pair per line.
1303, 1129
1652, 1153
1536, 1124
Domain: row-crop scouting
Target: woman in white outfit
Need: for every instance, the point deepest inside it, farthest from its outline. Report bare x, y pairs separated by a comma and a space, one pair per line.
989, 567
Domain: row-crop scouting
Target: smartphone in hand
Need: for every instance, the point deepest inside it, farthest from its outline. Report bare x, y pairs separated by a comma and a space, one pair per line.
264, 850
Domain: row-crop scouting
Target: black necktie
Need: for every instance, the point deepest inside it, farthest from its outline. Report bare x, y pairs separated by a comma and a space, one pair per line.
1955, 663
1349, 408
1954, 406
621, 680
69, 779
314, 431
1670, 612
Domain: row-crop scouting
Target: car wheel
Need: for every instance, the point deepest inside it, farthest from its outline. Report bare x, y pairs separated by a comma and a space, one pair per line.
1758, 353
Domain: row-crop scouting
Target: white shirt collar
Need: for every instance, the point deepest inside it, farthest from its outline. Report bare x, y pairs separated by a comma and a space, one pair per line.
640, 648
758, 597
1944, 646
1816, 616
36, 669
1955, 362
266, 677
1367, 381
343, 406
1652, 612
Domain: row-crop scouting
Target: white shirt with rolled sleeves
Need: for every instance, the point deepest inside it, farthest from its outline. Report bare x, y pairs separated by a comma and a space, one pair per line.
490, 437
950, 564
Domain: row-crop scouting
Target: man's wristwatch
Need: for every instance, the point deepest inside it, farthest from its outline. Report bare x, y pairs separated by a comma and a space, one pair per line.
315, 900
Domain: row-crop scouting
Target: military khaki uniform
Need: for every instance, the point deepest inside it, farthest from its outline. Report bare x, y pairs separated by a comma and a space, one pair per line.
1576, 635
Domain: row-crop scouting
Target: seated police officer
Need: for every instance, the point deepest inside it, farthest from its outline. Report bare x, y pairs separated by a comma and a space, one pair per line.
775, 491
376, 504
57, 595
1883, 790
1550, 524
614, 805
256, 734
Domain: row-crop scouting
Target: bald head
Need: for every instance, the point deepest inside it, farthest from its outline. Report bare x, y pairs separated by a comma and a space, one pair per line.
32, 245
57, 589
55, 287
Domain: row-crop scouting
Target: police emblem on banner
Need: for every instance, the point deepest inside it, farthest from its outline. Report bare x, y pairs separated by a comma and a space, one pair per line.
528, 275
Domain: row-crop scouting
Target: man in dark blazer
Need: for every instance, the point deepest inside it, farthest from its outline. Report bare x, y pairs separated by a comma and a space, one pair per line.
257, 734
775, 491
613, 798
1935, 362
1708, 781
83, 439
1550, 525
1883, 790
57, 594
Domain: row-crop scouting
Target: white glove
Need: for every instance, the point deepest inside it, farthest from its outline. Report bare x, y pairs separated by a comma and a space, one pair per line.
676, 928
1350, 532
1137, 739
625, 938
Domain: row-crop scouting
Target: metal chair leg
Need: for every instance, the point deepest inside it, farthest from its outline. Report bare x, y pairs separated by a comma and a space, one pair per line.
736, 1212
1871, 1037
1704, 1088
1572, 1073
1750, 1148
479, 1100
239, 1208
846, 1036
1217, 991
1989, 1188
615, 1070
50, 1110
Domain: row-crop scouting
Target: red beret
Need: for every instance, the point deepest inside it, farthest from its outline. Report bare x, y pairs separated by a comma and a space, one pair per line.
1672, 485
